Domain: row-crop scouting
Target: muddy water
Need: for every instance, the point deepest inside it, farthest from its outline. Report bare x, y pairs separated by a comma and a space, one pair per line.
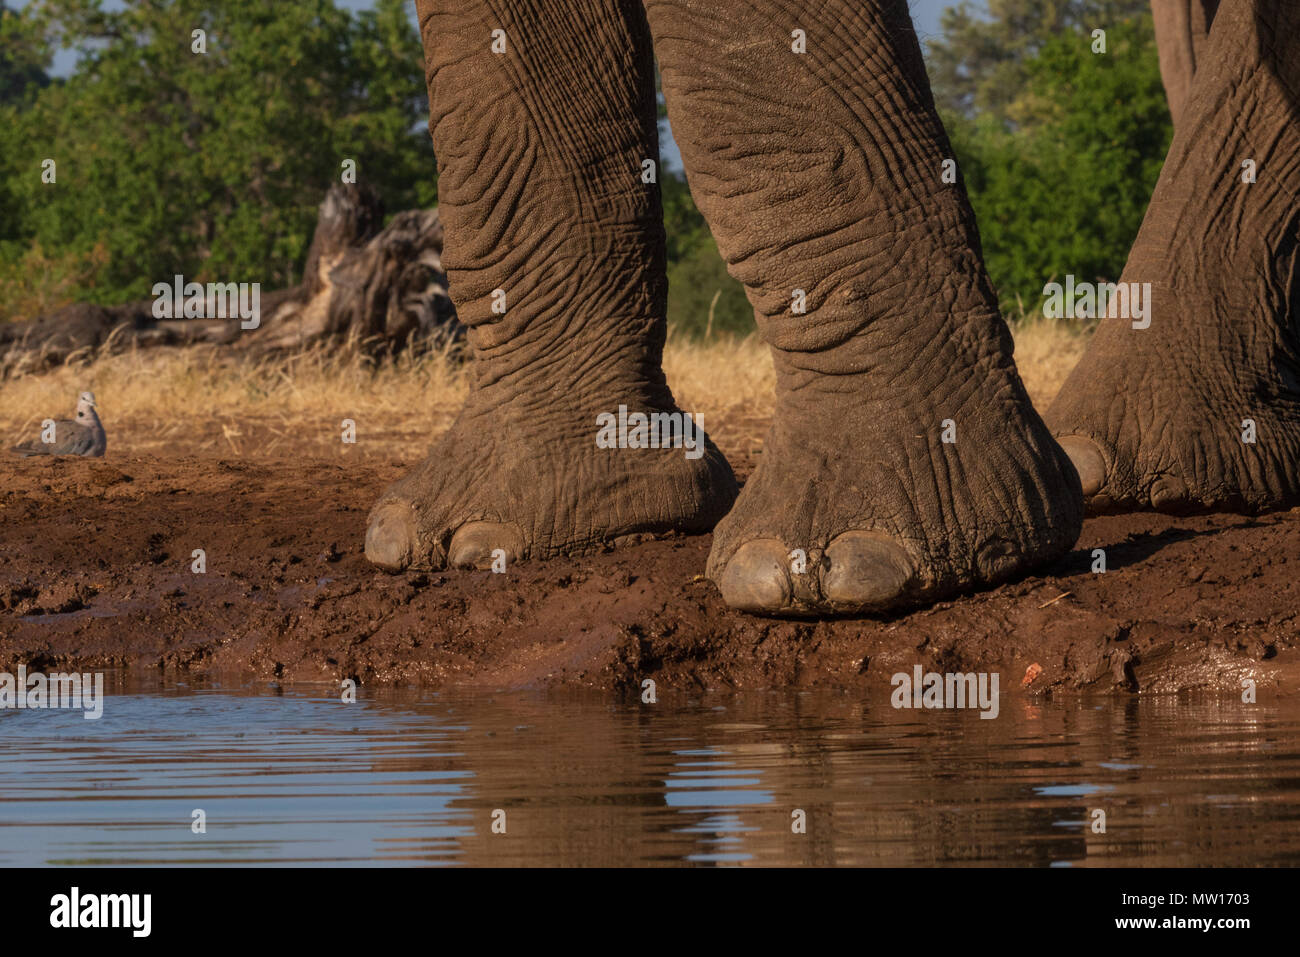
295, 776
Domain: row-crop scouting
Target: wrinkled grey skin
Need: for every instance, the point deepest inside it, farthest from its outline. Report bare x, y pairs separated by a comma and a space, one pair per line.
819, 171
1182, 30
1202, 409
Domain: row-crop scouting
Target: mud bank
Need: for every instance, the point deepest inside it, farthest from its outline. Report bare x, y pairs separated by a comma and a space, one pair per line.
95, 572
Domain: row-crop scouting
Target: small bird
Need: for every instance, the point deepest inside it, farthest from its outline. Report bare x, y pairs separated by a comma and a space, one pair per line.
83, 435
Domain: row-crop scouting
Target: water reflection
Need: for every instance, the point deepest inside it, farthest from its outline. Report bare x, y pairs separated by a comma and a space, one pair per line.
417, 778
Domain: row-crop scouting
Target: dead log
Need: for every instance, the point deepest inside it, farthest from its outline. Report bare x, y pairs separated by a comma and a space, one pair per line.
382, 289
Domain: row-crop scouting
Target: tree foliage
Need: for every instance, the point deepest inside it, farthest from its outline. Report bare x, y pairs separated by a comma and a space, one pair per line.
22, 54
208, 164
981, 63
698, 282
1060, 163
212, 165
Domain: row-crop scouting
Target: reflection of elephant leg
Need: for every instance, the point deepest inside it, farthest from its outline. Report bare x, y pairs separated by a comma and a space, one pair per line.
1182, 28
905, 459
1197, 404
543, 117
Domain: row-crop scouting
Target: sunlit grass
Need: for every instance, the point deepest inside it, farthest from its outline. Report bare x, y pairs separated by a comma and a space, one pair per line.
183, 401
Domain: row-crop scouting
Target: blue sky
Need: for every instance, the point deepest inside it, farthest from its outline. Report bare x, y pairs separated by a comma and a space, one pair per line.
925, 14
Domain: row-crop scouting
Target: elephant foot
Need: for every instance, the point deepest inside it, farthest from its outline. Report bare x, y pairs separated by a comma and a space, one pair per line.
1195, 403
864, 504
512, 481
1152, 420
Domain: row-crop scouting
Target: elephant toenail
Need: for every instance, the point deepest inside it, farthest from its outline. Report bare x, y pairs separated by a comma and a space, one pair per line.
1101, 503
997, 559
755, 578
481, 544
390, 536
866, 570
1088, 461
1168, 493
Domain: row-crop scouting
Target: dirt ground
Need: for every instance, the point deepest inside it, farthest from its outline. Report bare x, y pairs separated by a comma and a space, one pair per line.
95, 572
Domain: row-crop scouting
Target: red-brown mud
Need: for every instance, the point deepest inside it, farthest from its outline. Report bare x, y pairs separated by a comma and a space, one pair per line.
95, 571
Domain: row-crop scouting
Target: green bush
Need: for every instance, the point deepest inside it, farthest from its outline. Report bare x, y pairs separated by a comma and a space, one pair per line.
1064, 191
211, 164
698, 282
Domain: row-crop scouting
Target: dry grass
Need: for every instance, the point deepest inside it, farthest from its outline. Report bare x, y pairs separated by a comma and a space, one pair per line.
190, 401
1046, 351
195, 400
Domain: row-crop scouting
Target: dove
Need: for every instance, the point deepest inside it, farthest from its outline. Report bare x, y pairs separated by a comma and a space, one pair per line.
83, 435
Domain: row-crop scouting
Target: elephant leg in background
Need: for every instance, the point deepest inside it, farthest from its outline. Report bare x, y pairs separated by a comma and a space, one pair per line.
1157, 417
1182, 29
822, 172
540, 151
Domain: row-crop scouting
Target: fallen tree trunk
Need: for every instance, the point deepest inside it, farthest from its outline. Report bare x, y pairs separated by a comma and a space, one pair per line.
382, 289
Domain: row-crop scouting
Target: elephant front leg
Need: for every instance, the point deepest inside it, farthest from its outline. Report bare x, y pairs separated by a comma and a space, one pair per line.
1182, 31
543, 119
1196, 403
905, 461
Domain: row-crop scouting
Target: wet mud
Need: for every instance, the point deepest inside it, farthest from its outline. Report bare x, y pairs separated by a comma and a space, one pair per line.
95, 572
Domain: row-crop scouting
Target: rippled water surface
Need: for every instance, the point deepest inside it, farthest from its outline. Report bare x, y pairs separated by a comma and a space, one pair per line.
294, 776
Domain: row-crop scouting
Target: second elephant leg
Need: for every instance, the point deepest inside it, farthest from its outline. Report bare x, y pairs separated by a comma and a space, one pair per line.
905, 460
1182, 31
1196, 404
543, 113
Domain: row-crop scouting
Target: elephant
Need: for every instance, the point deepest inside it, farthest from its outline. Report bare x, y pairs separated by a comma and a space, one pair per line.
1201, 411
1182, 28
905, 461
